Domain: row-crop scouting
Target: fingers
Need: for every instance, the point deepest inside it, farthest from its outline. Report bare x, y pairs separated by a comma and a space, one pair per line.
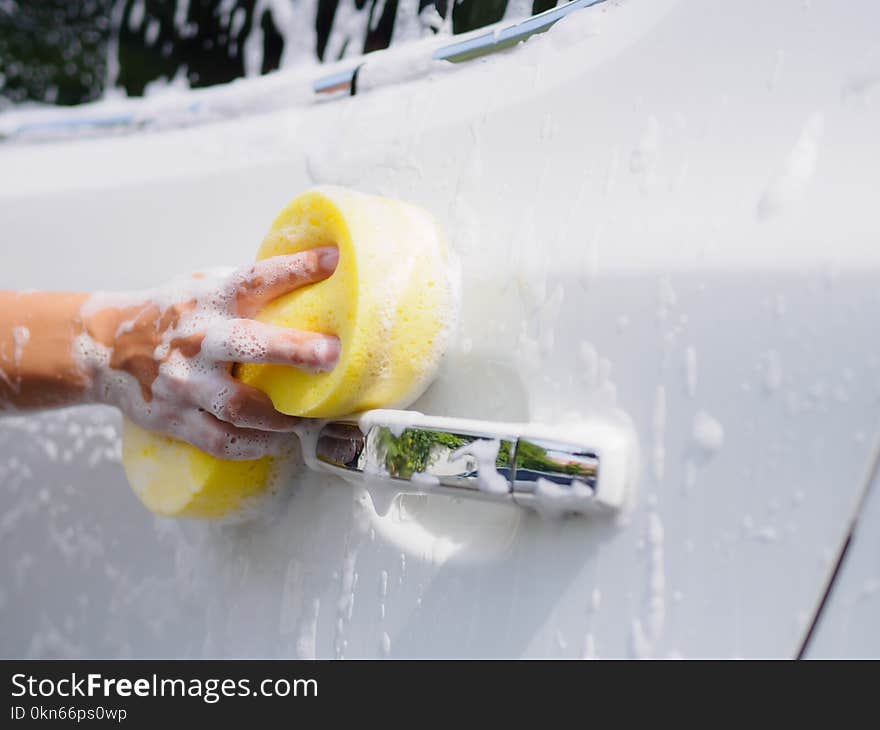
226, 441
270, 278
234, 402
247, 340
338, 451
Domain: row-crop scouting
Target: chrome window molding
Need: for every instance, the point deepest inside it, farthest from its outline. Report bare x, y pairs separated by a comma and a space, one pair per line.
90, 120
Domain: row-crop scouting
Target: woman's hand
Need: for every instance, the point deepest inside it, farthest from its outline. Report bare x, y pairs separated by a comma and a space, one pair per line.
164, 356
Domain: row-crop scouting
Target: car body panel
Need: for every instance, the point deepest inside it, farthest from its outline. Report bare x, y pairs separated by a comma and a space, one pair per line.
665, 211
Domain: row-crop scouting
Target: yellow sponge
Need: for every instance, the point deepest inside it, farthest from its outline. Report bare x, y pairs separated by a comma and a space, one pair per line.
390, 301
174, 479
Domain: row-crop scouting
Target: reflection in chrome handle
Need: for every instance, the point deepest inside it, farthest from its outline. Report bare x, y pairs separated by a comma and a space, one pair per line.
486, 460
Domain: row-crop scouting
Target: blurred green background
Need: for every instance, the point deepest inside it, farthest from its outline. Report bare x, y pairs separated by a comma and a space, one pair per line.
68, 51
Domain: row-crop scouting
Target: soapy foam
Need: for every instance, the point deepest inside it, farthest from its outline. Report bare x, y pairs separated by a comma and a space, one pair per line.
708, 433
20, 337
555, 500
485, 451
424, 480
791, 182
448, 279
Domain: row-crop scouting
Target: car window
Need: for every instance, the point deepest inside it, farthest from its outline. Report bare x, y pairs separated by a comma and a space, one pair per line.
72, 51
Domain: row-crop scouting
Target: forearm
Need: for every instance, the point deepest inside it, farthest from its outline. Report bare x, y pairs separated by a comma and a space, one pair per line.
38, 367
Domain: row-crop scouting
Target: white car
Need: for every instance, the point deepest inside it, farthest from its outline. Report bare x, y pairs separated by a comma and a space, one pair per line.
667, 214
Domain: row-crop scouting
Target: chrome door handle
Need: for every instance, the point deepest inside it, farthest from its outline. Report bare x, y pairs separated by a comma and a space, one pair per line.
531, 465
